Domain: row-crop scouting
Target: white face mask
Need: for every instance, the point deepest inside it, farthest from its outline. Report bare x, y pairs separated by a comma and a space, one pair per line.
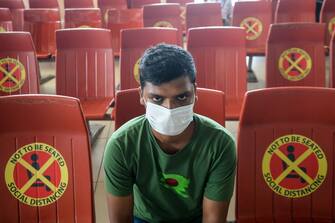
169, 122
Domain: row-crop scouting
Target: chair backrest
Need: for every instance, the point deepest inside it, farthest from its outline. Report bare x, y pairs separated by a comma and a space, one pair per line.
43, 4
295, 11
6, 23
133, 44
123, 19
127, 105
203, 14
286, 156
182, 12
19, 72
255, 17
106, 5
327, 15
295, 55
44, 137
163, 15
78, 4
84, 63
332, 61
42, 24
83, 18
17, 10
141, 3
219, 54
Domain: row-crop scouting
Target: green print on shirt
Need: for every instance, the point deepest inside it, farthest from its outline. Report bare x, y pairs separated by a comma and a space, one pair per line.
177, 183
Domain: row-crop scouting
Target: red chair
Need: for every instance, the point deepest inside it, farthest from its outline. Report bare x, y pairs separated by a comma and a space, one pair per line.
295, 55
19, 72
163, 15
203, 14
123, 19
182, 4
105, 5
255, 17
133, 44
286, 156
6, 23
42, 24
85, 69
78, 4
141, 3
220, 63
332, 63
50, 4
327, 15
127, 105
295, 11
83, 18
17, 10
44, 136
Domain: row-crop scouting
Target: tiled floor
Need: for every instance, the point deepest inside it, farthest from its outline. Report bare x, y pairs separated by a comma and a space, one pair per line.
49, 87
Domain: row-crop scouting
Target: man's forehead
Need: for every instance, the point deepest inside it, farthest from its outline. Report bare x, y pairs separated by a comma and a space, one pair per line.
176, 86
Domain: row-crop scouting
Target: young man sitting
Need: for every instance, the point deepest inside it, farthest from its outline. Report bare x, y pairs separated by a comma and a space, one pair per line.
169, 165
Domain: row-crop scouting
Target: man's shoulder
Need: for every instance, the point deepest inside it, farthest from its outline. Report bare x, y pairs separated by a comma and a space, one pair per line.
213, 134
131, 127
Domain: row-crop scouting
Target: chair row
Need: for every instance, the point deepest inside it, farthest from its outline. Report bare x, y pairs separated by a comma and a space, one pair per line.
295, 57
285, 155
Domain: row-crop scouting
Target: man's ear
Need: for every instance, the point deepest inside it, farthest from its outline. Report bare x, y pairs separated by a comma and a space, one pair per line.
140, 91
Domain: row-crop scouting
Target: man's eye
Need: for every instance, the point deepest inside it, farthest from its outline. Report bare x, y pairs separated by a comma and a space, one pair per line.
156, 99
182, 98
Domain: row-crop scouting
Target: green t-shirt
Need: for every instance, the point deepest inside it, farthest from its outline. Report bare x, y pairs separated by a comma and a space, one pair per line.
170, 188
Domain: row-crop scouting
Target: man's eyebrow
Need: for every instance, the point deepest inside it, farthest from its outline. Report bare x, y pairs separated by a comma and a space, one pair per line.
154, 95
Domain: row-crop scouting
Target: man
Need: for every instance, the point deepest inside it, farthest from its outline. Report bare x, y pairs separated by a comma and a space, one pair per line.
170, 165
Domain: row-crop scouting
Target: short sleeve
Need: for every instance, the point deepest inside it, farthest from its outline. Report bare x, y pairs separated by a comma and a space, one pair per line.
220, 183
118, 177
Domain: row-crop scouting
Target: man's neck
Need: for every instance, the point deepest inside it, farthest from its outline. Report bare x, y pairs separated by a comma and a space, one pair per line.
173, 144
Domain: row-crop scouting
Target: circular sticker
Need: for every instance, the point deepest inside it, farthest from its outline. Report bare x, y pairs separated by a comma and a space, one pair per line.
12, 75
2, 29
36, 174
163, 24
294, 166
137, 70
295, 64
84, 26
253, 27
331, 25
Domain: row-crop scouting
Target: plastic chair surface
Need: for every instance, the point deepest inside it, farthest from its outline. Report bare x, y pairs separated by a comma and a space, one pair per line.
141, 3
295, 11
327, 15
19, 72
123, 19
78, 4
85, 68
195, 15
255, 17
17, 10
219, 54
42, 24
286, 156
295, 55
6, 23
44, 136
133, 44
43, 4
127, 105
332, 63
83, 18
163, 15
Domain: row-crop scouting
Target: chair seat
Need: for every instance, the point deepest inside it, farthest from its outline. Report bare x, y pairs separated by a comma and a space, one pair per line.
258, 51
96, 108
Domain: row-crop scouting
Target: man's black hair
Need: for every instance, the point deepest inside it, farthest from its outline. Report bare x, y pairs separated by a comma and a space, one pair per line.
163, 63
